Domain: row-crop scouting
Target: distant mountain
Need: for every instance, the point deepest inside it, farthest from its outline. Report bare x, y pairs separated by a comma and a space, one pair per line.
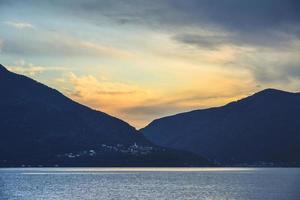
40, 126
262, 129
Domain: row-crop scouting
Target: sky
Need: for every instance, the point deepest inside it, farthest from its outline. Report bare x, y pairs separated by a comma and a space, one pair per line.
140, 60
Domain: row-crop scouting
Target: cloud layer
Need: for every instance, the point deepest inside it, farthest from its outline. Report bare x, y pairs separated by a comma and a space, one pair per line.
157, 57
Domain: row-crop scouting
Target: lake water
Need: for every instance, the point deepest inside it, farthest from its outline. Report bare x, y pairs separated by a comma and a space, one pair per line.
150, 183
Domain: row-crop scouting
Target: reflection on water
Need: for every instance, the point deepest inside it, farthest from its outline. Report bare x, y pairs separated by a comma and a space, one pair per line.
125, 169
150, 183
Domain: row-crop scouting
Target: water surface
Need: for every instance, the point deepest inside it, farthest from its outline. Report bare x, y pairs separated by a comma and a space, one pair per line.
150, 183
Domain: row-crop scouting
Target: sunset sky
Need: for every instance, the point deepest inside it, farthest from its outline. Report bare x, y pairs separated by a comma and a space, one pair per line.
144, 59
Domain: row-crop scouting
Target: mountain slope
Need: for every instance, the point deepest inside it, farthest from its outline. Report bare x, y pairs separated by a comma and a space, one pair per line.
262, 128
40, 126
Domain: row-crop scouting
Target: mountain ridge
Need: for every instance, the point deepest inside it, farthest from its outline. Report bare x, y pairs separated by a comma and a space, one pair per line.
41, 126
219, 133
267, 90
4, 69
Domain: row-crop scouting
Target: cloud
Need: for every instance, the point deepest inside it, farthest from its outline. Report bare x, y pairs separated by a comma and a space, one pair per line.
245, 16
272, 66
29, 69
139, 105
231, 13
255, 17
103, 94
176, 55
34, 70
98, 49
253, 21
60, 45
217, 39
1, 45
266, 22
19, 25
273, 23
277, 74
184, 101
202, 41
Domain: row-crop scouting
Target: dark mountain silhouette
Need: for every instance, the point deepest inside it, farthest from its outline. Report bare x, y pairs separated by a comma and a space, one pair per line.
263, 128
40, 126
